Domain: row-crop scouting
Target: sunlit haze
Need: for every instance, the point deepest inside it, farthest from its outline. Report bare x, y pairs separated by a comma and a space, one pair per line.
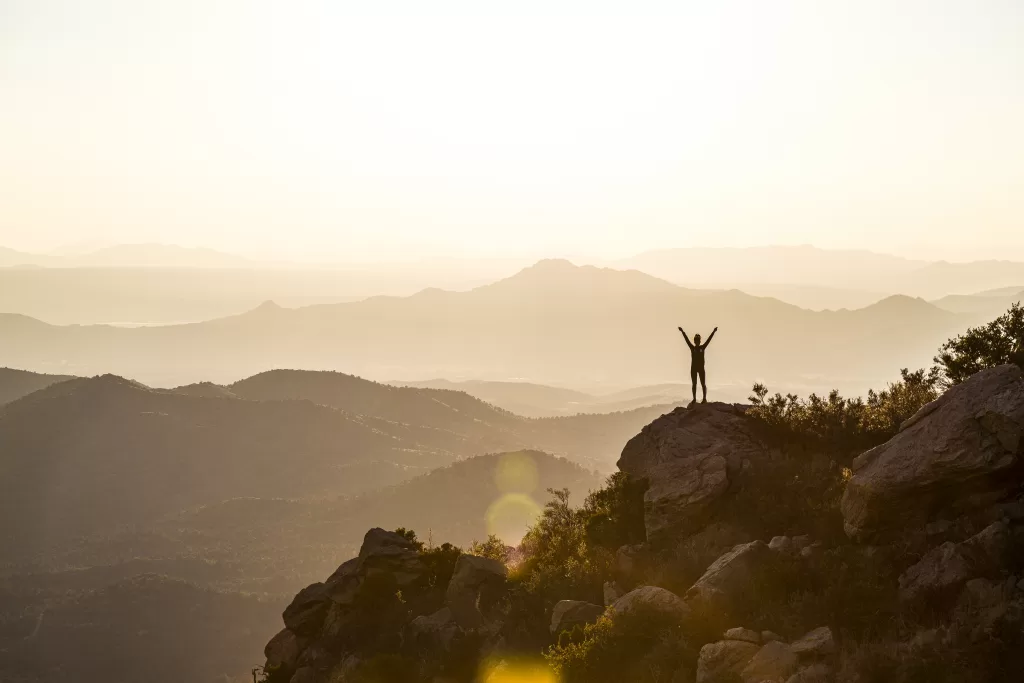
324, 131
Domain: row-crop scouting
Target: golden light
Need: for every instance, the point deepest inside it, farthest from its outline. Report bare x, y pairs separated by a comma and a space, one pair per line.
516, 473
510, 516
522, 671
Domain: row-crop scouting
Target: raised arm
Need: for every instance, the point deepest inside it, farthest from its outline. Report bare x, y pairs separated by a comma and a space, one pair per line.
688, 342
710, 337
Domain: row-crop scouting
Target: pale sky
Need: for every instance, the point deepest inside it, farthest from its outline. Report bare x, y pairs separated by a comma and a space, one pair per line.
318, 130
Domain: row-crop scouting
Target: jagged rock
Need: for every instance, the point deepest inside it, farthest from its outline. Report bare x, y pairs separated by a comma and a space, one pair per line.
944, 569
744, 634
651, 596
818, 672
781, 544
385, 551
283, 650
731, 577
437, 629
688, 456
344, 583
612, 592
724, 659
775, 661
378, 541
816, 643
960, 450
569, 613
475, 586
306, 613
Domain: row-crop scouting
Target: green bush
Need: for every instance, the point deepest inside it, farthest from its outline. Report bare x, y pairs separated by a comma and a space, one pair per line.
643, 645
841, 425
997, 343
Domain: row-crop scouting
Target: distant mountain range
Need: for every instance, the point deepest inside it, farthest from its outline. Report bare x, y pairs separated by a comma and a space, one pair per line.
552, 323
807, 272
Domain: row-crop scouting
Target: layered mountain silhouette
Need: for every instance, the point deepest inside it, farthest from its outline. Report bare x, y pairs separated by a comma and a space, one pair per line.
17, 383
552, 323
93, 454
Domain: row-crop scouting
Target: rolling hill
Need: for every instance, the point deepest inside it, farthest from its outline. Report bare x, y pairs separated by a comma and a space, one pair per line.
17, 383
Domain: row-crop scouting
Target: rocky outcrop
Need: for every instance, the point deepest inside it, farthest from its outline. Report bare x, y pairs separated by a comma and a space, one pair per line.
381, 599
775, 661
724, 660
959, 453
732, 578
568, 614
651, 597
944, 570
475, 589
817, 643
688, 457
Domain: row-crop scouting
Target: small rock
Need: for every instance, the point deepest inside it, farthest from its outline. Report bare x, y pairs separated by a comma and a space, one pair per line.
816, 643
801, 542
774, 661
651, 596
769, 636
745, 634
717, 660
781, 544
570, 613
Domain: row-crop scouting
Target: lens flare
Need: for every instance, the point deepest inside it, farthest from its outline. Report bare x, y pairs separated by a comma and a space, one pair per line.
522, 671
510, 516
516, 473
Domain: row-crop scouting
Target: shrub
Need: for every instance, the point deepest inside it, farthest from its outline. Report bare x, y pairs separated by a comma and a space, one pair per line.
997, 343
841, 425
642, 645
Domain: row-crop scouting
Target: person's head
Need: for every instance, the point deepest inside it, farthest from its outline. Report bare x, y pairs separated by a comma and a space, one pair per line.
696, 339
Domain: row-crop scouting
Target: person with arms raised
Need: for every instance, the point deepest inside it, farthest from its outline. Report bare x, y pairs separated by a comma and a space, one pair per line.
697, 363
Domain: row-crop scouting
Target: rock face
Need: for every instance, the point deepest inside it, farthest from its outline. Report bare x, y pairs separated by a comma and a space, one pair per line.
724, 660
653, 597
774, 662
731, 577
945, 569
817, 643
688, 457
387, 595
568, 614
475, 587
960, 452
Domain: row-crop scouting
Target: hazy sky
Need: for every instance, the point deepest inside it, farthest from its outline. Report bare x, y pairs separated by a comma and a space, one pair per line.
308, 129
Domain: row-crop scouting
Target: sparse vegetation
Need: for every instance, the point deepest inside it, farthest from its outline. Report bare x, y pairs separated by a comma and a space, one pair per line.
997, 343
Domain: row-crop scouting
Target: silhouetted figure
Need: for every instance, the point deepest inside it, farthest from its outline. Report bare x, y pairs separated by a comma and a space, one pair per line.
697, 362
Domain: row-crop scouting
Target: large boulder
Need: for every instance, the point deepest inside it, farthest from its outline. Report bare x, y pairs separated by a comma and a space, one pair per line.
958, 453
306, 613
568, 614
945, 569
688, 457
283, 650
732, 578
387, 552
476, 586
651, 597
724, 660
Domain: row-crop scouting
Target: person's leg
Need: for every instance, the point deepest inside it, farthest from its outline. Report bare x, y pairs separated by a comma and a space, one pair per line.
693, 382
703, 387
